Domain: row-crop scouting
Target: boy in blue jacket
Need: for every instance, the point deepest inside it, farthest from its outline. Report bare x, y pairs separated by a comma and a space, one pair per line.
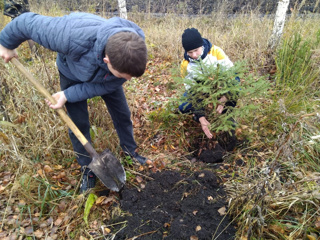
95, 57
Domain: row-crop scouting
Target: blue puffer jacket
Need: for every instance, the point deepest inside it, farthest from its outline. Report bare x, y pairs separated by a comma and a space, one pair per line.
79, 39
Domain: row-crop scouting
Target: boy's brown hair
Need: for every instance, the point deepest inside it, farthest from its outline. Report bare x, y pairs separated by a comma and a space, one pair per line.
127, 53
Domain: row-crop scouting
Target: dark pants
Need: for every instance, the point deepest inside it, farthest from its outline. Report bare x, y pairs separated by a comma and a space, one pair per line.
187, 107
118, 108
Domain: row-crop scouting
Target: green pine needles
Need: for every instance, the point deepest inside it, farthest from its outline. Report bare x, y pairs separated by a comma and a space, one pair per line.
210, 83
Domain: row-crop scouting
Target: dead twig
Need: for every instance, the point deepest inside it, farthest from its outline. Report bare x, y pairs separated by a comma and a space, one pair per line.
143, 234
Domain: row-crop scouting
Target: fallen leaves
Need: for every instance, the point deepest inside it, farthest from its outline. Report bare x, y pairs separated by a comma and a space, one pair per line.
2, 188
104, 200
39, 233
139, 179
41, 173
4, 138
201, 175
105, 230
276, 228
317, 224
222, 211
167, 225
62, 207
311, 237
58, 221
149, 162
47, 169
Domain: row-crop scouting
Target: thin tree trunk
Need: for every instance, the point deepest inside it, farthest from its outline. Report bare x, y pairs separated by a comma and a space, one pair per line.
278, 24
122, 9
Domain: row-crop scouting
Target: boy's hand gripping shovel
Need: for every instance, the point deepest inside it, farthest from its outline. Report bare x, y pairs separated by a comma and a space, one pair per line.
105, 165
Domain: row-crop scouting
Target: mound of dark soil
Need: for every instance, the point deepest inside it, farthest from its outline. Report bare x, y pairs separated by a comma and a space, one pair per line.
213, 150
175, 206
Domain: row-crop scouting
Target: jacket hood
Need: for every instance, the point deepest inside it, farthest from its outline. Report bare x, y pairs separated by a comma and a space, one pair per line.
207, 46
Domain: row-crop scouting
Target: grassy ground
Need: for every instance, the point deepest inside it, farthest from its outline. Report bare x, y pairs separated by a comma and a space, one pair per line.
274, 193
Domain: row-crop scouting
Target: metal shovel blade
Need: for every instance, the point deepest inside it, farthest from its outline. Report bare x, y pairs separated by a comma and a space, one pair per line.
101, 166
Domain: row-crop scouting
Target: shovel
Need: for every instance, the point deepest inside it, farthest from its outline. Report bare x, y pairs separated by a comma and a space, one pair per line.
105, 165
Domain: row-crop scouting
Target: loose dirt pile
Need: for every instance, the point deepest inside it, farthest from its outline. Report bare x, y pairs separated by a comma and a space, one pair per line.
175, 206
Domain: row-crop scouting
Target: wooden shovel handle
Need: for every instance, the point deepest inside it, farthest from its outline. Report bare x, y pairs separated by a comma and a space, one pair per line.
61, 112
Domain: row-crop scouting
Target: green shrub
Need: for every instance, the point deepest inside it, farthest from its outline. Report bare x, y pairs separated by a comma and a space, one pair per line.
296, 73
214, 82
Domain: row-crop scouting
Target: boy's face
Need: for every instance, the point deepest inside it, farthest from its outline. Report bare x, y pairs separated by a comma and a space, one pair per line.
115, 72
195, 53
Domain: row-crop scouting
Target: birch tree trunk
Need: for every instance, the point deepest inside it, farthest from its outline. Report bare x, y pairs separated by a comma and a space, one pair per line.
278, 23
122, 9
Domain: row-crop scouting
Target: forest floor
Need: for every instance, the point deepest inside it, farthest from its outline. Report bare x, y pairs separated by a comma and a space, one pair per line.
187, 203
180, 199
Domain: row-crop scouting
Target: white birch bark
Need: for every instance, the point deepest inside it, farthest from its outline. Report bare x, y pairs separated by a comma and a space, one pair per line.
278, 25
122, 9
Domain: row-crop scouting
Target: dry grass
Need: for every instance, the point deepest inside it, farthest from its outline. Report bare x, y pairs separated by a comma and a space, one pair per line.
278, 197
263, 196
240, 37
